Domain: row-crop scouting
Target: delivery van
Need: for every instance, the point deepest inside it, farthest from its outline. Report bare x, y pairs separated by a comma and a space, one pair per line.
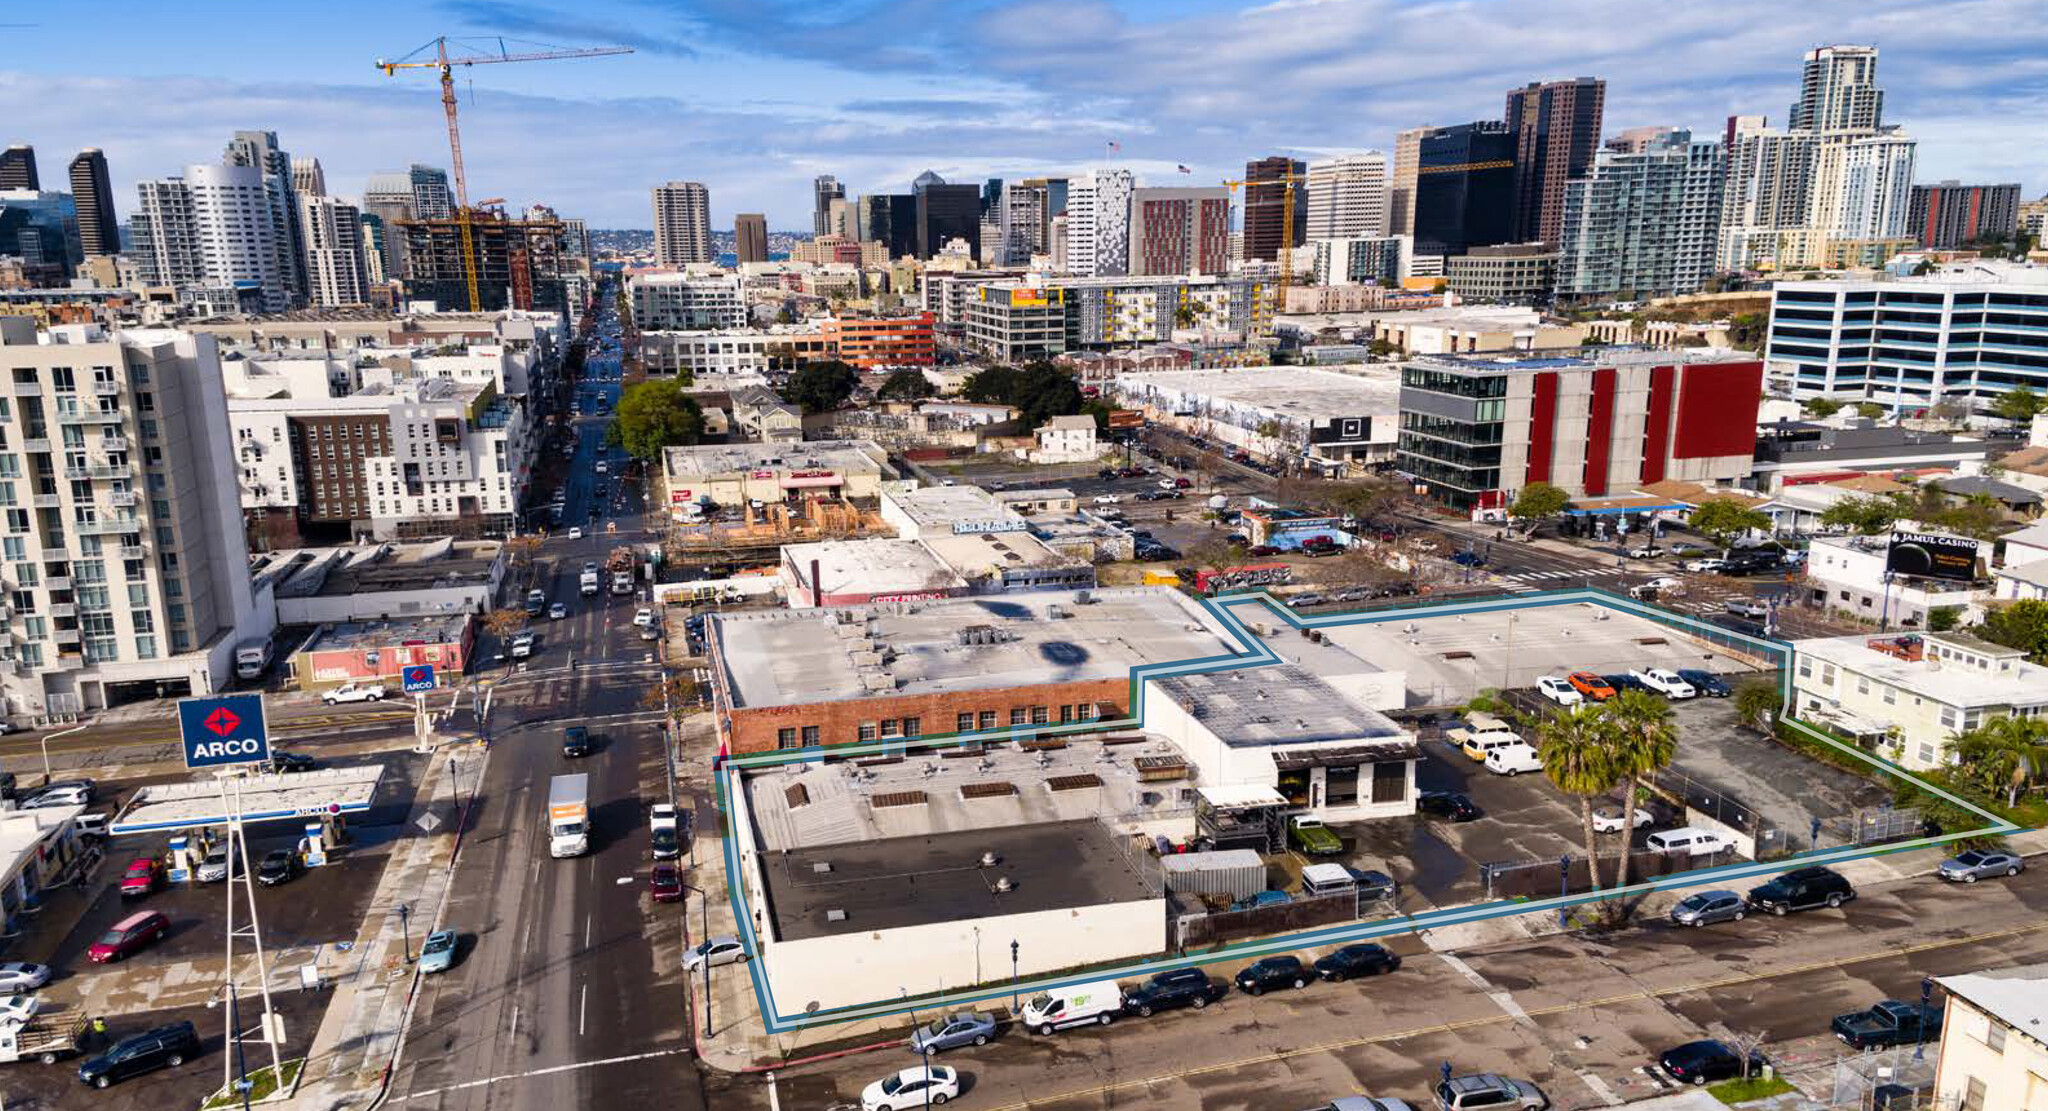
1513, 759
1073, 1005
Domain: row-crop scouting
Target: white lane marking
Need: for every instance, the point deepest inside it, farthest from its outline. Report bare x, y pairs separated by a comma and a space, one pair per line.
549, 1071
587, 920
582, 1006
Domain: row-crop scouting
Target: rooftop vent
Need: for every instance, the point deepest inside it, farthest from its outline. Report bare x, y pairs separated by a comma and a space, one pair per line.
989, 859
835, 915
1004, 886
1084, 598
821, 867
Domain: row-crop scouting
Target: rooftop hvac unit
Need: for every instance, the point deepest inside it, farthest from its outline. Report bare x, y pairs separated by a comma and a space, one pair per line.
835, 915
1084, 597
821, 867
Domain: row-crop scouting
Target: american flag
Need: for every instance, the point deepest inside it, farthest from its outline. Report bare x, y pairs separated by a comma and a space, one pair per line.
1115, 146
1182, 169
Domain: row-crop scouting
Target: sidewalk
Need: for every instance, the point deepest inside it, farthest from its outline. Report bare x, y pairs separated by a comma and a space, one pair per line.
359, 1036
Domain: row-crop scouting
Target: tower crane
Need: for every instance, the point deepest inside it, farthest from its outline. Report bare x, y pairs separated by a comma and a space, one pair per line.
440, 60
1286, 182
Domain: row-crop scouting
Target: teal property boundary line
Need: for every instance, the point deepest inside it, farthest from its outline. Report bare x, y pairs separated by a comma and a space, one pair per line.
1257, 654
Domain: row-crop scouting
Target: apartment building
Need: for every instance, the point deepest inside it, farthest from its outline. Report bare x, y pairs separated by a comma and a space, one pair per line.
1914, 693
335, 253
682, 223
125, 573
733, 357
1099, 223
1949, 213
1993, 1054
875, 343
1347, 197
686, 302
1508, 274
1180, 231
1024, 320
1644, 223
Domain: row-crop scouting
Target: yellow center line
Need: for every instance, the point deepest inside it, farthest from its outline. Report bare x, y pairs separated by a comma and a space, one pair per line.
1503, 1016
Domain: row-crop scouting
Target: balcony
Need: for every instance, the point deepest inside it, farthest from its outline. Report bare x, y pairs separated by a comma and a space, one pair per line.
90, 416
49, 501
68, 661
107, 389
110, 470
63, 609
36, 443
123, 498
109, 526
10, 667
28, 389
134, 551
112, 443
58, 582
65, 636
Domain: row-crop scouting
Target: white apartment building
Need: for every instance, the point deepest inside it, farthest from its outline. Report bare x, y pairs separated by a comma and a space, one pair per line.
1994, 1054
1847, 573
1914, 692
1347, 197
682, 223
213, 227
686, 302
1876, 187
121, 540
1066, 440
1099, 223
1379, 260
335, 270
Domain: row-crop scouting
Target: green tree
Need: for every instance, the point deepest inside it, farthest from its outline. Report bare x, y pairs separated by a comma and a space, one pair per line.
653, 415
2004, 754
1868, 516
1757, 706
2022, 625
1941, 619
1643, 740
821, 387
906, 385
1039, 390
1577, 749
2019, 405
1722, 520
1821, 406
1539, 501
1870, 410
993, 385
1185, 314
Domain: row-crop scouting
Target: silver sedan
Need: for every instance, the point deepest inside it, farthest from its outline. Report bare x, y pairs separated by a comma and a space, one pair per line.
20, 976
1980, 863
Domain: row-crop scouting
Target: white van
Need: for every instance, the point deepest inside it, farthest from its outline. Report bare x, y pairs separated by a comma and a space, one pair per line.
1073, 1005
1513, 759
1689, 841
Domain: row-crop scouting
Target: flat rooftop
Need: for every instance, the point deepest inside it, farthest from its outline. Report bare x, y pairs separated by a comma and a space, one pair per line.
1305, 393
373, 568
879, 565
938, 506
922, 881
358, 635
991, 552
1617, 356
1272, 707
724, 459
265, 798
796, 657
1945, 680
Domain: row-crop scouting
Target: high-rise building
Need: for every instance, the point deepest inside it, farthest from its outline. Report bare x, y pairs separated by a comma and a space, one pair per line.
376, 236
1877, 187
18, 168
946, 212
824, 190
143, 567
1099, 223
889, 219
750, 237
991, 195
388, 197
1838, 91
1465, 193
1024, 222
517, 263
1364, 260
575, 238
1347, 197
1269, 183
839, 218
1643, 224
1179, 232
99, 230
308, 179
334, 250
259, 150
213, 228
1557, 130
1636, 140
682, 223
1401, 194
166, 234
41, 230
431, 199
1945, 214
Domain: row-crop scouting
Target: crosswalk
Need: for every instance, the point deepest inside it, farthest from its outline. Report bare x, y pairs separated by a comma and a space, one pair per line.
1526, 582
1700, 601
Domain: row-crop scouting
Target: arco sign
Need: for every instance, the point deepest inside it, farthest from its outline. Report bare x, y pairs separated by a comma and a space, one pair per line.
223, 729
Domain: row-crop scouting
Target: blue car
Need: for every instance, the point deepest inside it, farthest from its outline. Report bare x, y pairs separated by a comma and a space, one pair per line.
439, 951
1262, 899
963, 1028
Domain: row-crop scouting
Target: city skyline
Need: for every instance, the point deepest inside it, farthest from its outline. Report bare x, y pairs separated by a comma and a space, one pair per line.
777, 99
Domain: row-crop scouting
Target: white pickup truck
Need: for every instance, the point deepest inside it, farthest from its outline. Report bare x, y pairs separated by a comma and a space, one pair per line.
1665, 682
355, 692
49, 1036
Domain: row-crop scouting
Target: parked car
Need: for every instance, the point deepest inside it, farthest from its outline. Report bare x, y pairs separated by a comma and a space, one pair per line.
218, 863
915, 1087
355, 692
644, 616
1607, 819
1262, 899
19, 976
1746, 607
1513, 759
1364, 959
278, 866
1705, 565
1976, 864
129, 936
557, 611
1591, 686
1468, 558
1559, 691
665, 884
1311, 836
1890, 1022
1704, 908
1164, 995
952, 1031
163, 1047
56, 795
1704, 1062
1664, 681
716, 951
1272, 972
1107, 499
1802, 889
437, 953
1643, 551
1708, 684
144, 875
286, 763
1461, 1093
1448, 804
1688, 841
1303, 601
665, 843
19, 1008
1072, 1005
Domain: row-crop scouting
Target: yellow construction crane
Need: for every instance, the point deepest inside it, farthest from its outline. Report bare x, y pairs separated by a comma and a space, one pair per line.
1286, 182
441, 61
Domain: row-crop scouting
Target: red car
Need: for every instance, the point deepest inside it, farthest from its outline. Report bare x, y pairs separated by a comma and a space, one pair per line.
1182, 483
129, 936
144, 875
665, 884
1592, 686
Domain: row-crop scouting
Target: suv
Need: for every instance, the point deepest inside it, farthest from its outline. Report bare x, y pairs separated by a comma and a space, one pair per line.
1803, 889
1272, 972
576, 741
1489, 1091
1173, 989
164, 1046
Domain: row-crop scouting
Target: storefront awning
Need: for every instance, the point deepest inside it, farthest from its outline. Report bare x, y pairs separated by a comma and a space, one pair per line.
1241, 797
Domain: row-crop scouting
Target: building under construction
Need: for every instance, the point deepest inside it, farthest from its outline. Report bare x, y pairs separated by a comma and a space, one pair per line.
519, 263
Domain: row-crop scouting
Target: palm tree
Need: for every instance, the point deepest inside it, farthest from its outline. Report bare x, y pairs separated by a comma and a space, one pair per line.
2004, 754
1577, 750
1644, 742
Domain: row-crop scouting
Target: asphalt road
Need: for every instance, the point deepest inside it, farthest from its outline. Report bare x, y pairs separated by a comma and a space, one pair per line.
566, 991
1520, 1008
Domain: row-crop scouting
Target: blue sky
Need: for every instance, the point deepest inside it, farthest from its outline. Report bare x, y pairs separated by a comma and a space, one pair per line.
754, 97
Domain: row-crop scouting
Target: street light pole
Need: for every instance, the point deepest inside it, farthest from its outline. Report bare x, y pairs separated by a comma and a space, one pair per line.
1013, 977
703, 901
1564, 888
405, 929
47, 738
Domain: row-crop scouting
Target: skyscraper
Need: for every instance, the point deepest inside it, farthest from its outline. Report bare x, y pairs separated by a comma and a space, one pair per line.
1099, 223
1180, 231
1643, 223
334, 250
1401, 194
1557, 130
1877, 187
1838, 91
889, 219
1945, 214
946, 212
682, 223
1465, 188
212, 228
430, 197
259, 150
750, 237
99, 230
166, 234
824, 190
1266, 209
991, 195
1347, 196
1024, 222
308, 179
18, 168
388, 197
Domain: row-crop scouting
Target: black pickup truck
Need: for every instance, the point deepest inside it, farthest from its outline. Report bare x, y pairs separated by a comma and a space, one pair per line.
1892, 1022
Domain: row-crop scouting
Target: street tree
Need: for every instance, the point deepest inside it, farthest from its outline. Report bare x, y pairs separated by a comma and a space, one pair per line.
822, 386
1723, 520
2020, 404
1644, 742
1757, 706
505, 621
1821, 406
1538, 502
1864, 515
2006, 754
1870, 410
906, 385
653, 415
1576, 746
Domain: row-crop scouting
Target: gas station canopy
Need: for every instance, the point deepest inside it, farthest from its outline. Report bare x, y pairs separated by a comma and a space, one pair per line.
265, 798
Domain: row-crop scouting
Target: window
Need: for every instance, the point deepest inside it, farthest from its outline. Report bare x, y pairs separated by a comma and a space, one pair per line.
1994, 1036
1087, 711
913, 727
867, 731
988, 719
1863, 685
1019, 715
1891, 695
1948, 717
1390, 782
1066, 714
145, 648
1973, 1095
1805, 667
965, 723
785, 738
891, 727
810, 734
1039, 715
1928, 752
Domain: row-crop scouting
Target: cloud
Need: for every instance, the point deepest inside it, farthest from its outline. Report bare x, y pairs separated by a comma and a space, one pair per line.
499, 17
924, 107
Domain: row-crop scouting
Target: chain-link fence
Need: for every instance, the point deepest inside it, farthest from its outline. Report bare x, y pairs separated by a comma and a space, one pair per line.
1887, 1079
1875, 825
1541, 879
